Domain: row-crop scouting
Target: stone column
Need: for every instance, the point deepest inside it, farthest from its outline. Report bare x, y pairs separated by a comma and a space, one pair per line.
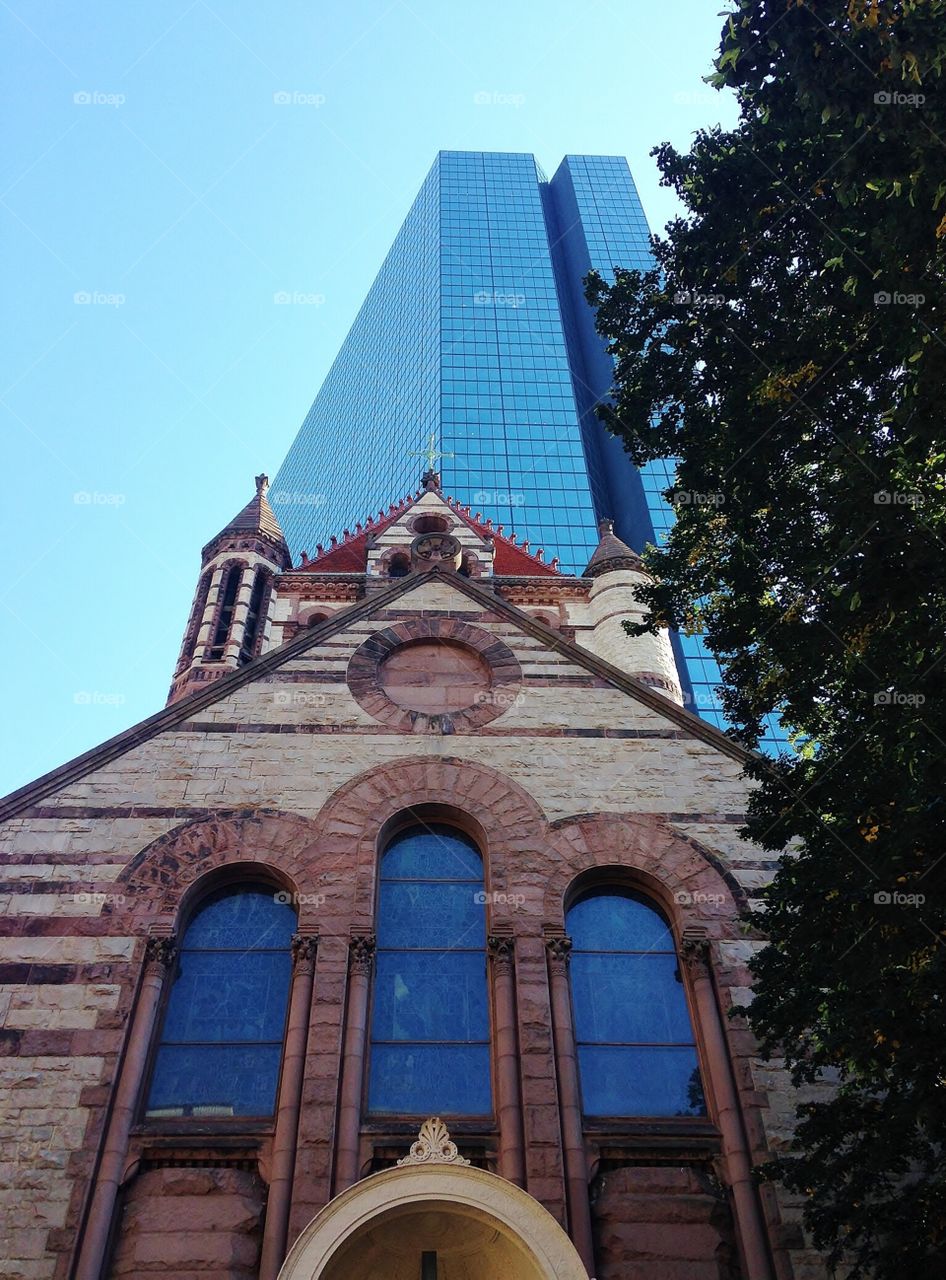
160, 956
509, 1096
241, 608
279, 1200
348, 1129
753, 1238
569, 1096
266, 625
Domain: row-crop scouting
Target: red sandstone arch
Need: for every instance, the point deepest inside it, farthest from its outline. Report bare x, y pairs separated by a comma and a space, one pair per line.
284, 846
642, 848
504, 816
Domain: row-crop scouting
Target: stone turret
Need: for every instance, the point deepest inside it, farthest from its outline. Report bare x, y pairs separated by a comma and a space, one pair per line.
230, 618
616, 572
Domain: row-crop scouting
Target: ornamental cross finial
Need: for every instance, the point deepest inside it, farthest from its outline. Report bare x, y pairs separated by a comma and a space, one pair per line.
433, 1146
432, 454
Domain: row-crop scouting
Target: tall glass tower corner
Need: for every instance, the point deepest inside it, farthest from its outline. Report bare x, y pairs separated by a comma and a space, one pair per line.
476, 332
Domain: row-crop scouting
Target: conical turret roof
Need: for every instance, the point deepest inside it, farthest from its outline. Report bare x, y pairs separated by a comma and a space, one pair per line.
611, 553
257, 519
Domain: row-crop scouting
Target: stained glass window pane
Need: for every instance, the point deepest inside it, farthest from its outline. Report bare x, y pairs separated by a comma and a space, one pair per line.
659, 1081
636, 1052
430, 1080
424, 913
617, 921
430, 1016
222, 995
238, 921
214, 1080
426, 995
222, 1036
432, 853
629, 998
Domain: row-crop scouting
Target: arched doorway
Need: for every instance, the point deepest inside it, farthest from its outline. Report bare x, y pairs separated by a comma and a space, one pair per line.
433, 1218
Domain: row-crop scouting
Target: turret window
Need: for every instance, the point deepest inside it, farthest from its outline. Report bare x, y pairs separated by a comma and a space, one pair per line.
228, 595
254, 616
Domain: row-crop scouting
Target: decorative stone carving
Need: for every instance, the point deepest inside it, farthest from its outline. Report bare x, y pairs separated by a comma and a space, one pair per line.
303, 948
160, 954
503, 951
433, 1146
361, 954
695, 954
558, 951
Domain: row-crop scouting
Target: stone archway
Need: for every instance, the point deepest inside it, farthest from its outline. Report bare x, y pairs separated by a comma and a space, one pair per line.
468, 1223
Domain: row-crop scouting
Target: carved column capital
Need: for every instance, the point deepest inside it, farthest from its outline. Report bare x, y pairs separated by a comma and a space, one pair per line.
503, 951
303, 947
361, 954
695, 955
558, 951
160, 955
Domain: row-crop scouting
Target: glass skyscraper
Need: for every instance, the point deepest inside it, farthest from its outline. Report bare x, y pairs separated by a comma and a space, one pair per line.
476, 332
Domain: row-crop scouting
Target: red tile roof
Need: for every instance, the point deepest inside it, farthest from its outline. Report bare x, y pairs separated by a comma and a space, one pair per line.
349, 554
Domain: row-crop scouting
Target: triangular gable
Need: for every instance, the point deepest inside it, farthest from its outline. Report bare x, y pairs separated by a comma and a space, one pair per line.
262, 666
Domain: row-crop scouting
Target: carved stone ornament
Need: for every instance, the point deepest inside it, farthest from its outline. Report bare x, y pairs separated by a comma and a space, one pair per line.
361, 954
503, 950
695, 954
303, 948
558, 949
160, 953
433, 1146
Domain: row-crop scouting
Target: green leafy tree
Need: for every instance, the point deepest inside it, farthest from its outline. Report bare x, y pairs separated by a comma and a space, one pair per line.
789, 349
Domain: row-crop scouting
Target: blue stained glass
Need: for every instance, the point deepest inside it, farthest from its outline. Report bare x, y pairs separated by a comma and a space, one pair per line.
424, 995
221, 1041
219, 996
616, 921
432, 853
215, 1080
243, 920
636, 1053
430, 1080
629, 999
430, 1014
429, 914
661, 1081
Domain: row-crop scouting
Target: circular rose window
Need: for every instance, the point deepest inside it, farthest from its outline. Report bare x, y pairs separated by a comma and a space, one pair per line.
434, 676
438, 674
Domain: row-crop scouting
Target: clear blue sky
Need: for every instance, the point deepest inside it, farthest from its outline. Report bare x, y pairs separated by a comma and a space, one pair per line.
149, 163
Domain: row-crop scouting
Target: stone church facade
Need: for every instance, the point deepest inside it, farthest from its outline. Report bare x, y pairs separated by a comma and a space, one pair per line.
195, 1094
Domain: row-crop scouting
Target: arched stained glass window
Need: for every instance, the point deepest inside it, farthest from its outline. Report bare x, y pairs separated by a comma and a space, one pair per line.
221, 1042
636, 1052
430, 1018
